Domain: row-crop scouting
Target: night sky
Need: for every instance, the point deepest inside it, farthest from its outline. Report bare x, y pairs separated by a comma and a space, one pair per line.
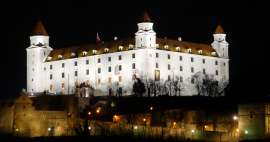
74, 22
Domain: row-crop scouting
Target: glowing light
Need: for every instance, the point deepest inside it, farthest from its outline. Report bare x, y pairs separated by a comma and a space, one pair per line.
205, 126
98, 110
89, 128
235, 117
192, 131
237, 130
246, 132
89, 113
151, 108
16, 129
144, 119
49, 129
136, 127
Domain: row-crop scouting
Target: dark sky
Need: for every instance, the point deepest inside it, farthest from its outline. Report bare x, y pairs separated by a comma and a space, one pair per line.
74, 22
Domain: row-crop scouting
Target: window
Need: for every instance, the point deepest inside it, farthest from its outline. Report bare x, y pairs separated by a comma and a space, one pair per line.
189, 50
106, 50
63, 65
87, 72
156, 65
119, 67
120, 48
51, 76
191, 59
99, 81
181, 68
203, 71
203, 61
87, 62
224, 64
192, 80
51, 67
216, 62
63, 75
99, 70
181, 78
216, 72
51, 87
109, 59
169, 66
133, 55
63, 85
133, 66
119, 57
109, 69
192, 69
98, 60
169, 57
76, 73
75, 63
157, 55
180, 58
84, 53
157, 75
169, 77
119, 78
110, 80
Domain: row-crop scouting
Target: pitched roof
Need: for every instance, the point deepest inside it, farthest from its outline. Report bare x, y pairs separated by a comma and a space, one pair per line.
39, 29
219, 30
113, 46
146, 17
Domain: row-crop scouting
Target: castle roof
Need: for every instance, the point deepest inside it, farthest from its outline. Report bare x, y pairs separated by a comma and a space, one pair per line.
39, 29
128, 44
219, 30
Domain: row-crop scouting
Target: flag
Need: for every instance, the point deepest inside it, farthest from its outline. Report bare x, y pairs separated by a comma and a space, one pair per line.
98, 40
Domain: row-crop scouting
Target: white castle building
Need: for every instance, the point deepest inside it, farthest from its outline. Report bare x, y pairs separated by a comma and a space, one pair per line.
114, 63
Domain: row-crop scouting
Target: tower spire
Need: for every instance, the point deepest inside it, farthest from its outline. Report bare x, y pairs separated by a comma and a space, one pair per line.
219, 30
39, 29
146, 17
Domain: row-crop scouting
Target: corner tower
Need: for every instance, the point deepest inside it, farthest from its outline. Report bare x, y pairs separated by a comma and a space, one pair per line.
145, 37
37, 52
220, 44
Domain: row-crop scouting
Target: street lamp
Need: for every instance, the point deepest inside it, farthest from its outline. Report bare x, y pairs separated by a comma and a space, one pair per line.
246, 132
89, 113
235, 118
98, 110
151, 108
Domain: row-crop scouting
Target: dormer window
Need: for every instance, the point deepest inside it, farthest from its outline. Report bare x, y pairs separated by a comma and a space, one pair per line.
130, 46
200, 52
157, 45
120, 48
94, 51
189, 50
214, 54
106, 50
84, 53
177, 48
49, 58
73, 54
166, 47
59, 56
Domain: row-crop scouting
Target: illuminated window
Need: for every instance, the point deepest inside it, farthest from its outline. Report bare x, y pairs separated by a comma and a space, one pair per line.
76, 73
177, 48
99, 70
192, 69
157, 75
84, 53
119, 78
133, 66
87, 72
94, 52
60, 56
73, 54
63, 65
200, 52
157, 45
75, 63
106, 50
109, 69
63, 75
166, 46
51, 87
189, 50
133, 55
120, 48
51, 76
130, 46
99, 60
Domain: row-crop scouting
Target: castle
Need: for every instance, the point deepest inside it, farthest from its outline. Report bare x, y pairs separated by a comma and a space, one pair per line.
117, 63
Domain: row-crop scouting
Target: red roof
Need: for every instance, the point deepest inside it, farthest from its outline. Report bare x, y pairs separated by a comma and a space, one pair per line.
146, 17
219, 30
40, 29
